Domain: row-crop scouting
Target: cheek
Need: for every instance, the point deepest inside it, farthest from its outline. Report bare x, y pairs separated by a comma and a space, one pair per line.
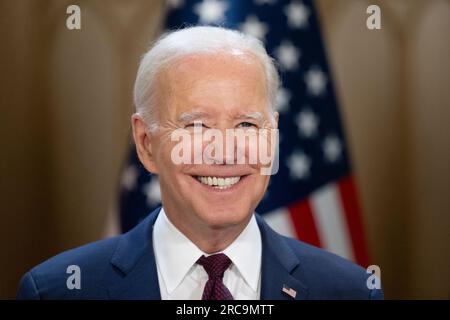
259, 151
260, 186
166, 166
262, 180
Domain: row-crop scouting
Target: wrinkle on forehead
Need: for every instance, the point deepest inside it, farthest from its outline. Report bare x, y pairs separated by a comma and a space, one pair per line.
192, 75
240, 63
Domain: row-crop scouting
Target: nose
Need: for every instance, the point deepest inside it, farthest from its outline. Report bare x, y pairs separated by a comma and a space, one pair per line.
219, 146
230, 146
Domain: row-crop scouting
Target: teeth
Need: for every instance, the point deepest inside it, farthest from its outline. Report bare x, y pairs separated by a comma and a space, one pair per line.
219, 182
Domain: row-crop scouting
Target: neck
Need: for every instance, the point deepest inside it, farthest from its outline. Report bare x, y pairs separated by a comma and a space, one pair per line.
209, 239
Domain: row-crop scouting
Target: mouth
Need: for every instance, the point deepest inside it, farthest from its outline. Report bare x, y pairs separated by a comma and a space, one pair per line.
220, 183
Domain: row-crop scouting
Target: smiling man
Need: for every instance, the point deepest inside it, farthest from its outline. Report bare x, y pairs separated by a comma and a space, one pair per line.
205, 242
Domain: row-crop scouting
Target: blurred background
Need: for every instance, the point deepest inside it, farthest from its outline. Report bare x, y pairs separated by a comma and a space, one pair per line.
66, 103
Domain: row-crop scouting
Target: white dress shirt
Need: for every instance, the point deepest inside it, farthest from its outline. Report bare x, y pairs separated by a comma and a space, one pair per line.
181, 278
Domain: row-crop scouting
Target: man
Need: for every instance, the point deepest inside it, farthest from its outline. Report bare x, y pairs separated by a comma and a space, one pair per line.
205, 242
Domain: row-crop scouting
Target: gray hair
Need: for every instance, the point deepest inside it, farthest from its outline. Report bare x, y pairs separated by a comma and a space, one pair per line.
199, 39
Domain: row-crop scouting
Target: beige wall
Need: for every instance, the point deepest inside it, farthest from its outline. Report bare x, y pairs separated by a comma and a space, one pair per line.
393, 87
66, 99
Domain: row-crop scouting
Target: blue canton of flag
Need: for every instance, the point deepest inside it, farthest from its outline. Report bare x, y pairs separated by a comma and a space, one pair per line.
312, 197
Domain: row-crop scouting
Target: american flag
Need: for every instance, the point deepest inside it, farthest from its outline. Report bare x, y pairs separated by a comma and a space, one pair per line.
313, 195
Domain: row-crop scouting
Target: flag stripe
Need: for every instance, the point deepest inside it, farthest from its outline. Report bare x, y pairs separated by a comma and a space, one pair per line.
303, 221
279, 220
347, 192
329, 216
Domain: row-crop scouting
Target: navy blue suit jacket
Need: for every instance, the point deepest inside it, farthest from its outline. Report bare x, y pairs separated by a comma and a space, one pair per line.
124, 267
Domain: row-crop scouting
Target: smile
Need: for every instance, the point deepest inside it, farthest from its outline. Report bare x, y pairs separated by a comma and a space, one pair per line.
219, 182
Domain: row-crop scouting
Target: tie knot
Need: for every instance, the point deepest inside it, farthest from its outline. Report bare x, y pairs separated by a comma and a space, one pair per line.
215, 265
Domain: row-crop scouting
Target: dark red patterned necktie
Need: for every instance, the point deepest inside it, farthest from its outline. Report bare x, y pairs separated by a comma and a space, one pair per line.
215, 266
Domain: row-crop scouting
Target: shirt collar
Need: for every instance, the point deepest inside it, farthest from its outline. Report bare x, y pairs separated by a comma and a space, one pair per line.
245, 253
176, 254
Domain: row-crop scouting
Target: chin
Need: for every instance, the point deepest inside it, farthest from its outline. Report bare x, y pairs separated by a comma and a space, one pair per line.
221, 217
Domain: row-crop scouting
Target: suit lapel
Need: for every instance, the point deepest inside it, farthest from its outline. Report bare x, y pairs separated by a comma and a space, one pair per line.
135, 260
278, 265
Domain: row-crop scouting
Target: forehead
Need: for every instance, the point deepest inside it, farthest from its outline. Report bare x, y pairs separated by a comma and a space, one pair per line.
218, 80
226, 62
190, 70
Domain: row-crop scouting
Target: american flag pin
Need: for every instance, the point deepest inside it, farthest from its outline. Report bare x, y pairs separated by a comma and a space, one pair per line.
290, 292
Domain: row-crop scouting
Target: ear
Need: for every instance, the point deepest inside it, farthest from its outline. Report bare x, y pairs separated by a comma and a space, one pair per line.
144, 143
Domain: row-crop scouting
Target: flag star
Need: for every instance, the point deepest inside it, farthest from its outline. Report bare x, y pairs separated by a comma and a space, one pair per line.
307, 123
211, 11
252, 26
332, 148
129, 178
262, 2
299, 165
152, 191
288, 55
316, 81
175, 4
297, 14
282, 100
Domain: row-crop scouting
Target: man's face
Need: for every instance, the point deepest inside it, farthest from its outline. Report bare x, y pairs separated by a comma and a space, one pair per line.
221, 91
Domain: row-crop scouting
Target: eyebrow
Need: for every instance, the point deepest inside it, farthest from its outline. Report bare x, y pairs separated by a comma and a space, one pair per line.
198, 115
258, 116
192, 116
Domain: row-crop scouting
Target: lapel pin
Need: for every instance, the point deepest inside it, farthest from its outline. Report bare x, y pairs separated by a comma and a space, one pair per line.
290, 292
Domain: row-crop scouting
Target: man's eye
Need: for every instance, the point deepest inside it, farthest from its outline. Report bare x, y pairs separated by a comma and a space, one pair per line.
246, 125
195, 125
